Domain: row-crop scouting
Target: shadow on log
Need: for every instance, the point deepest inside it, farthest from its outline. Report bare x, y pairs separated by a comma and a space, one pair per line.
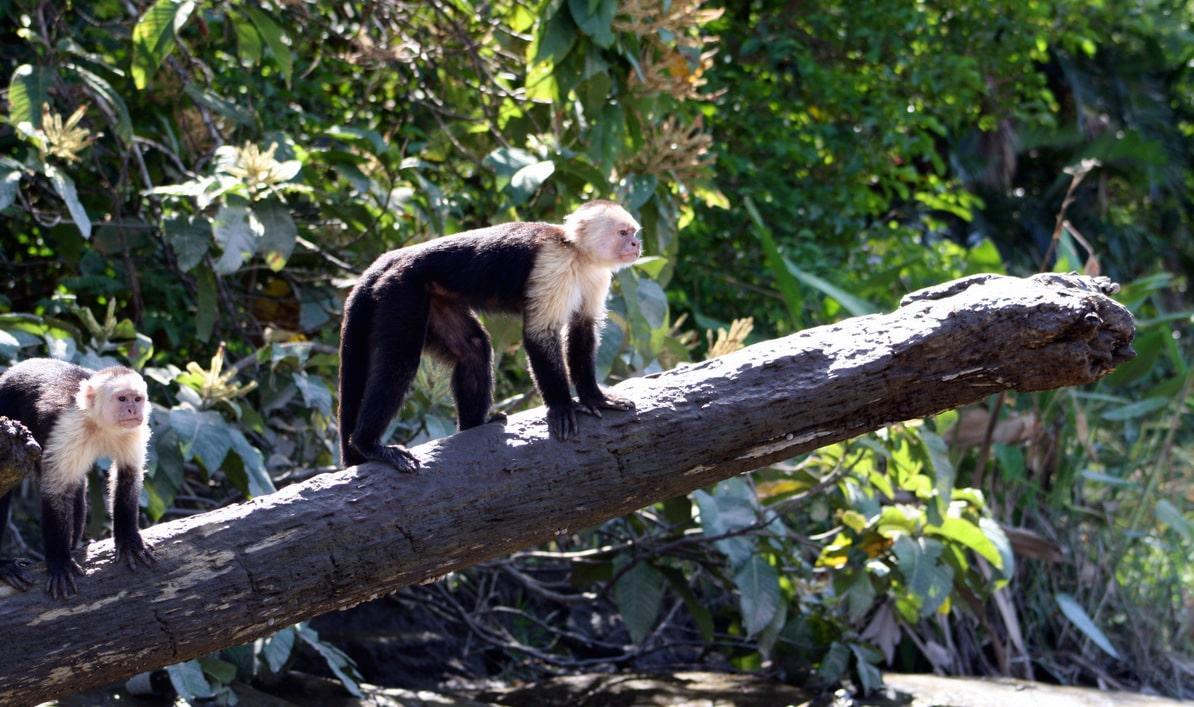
237, 573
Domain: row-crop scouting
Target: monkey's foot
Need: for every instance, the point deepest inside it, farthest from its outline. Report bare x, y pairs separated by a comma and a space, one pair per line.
61, 583
607, 401
133, 551
498, 417
561, 422
14, 573
395, 455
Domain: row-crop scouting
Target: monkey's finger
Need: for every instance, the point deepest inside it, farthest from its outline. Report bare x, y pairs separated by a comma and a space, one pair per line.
146, 557
589, 409
75, 568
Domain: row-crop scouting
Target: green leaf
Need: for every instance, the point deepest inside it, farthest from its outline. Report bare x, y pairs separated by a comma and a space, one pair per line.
554, 40
864, 664
1137, 409
248, 41
1078, 616
277, 649
278, 233
527, 181
274, 39
784, 280
188, 681
967, 533
237, 231
259, 481
154, 37
221, 671
28, 90
316, 393
595, 18
203, 435
9, 182
929, 580
834, 664
1167, 513
699, 612
638, 595
758, 593
998, 538
943, 468
107, 94
340, 663
206, 303
851, 303
66, 189
189, 237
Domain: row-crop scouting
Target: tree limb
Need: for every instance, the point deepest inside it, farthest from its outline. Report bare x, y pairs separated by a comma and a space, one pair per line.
233, 574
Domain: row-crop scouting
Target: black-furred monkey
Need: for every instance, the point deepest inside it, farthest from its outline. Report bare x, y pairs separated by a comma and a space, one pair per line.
77, 416
426, 296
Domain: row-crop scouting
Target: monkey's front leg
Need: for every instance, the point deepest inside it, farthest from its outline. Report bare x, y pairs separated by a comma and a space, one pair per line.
547, 368
57, 526
582, 364
125, 533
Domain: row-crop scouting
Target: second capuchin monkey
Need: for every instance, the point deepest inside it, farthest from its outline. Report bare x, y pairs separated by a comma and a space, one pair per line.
426, 297
78, 416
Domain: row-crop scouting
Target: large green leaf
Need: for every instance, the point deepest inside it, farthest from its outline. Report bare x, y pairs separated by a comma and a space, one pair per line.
237, 231
66, 189
248, 40
278, 233
853, 304
154, 36
1082, 621
204, 435
526, 181
28, 90
189, 238
926, 578
788, 287
638, 595
206, 303
188, 681
277, 649
758, 593
107, 94
595, 17
259, 481
340, 663
274, 40
963, 531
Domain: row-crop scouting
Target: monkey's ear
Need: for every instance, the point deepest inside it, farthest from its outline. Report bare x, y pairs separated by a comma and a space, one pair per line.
85, 398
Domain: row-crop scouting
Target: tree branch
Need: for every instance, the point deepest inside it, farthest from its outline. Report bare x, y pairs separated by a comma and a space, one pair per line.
230, 575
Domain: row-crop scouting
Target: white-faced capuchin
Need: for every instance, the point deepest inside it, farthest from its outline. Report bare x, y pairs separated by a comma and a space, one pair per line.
78, 416
426, 297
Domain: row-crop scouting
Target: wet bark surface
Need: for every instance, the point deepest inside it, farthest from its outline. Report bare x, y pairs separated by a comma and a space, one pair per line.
237, 573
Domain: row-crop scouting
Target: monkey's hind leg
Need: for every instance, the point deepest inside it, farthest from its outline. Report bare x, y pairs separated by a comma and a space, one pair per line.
457, 336
13, 571
79, 516
399, 330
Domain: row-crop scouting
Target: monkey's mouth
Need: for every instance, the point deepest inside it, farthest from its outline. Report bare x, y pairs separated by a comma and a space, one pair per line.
130, 421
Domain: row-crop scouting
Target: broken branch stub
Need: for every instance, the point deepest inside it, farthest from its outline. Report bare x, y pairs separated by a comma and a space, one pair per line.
233, 574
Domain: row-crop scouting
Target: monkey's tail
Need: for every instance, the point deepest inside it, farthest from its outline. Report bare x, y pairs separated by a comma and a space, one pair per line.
354, 371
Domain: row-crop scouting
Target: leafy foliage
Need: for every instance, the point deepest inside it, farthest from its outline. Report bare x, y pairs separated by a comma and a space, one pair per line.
190, 186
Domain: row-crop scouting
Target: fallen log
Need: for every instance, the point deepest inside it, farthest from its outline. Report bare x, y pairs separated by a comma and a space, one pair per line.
237, 573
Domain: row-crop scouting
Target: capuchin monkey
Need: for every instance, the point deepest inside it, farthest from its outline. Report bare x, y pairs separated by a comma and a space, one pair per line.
426, 297
78, 416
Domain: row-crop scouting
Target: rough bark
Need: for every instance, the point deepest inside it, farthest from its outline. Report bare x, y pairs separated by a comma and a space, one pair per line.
234, 574
19, 454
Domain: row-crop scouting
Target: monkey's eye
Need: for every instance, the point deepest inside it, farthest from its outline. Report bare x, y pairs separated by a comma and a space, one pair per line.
123, 398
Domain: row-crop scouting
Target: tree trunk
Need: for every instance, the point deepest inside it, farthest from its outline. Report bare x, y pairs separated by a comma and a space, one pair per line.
237, 573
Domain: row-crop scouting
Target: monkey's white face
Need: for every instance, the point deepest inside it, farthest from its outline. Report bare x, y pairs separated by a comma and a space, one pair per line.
124, 407
610, 235
117, 401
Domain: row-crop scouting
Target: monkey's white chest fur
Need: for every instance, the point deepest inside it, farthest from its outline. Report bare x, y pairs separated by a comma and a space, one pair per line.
69, 454
561, 285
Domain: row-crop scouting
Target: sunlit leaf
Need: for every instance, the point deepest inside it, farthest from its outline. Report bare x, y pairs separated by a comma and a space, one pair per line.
758, 593
638, 595
66, 189
1082, 621
28, 90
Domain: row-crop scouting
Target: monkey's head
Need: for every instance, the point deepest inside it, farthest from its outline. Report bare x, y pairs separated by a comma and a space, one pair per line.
115, 397
605, 232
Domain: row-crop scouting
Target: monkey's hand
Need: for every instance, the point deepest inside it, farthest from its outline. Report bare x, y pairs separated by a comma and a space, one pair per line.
134, 550
561, 421
61, 582
13, 572
593, 405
